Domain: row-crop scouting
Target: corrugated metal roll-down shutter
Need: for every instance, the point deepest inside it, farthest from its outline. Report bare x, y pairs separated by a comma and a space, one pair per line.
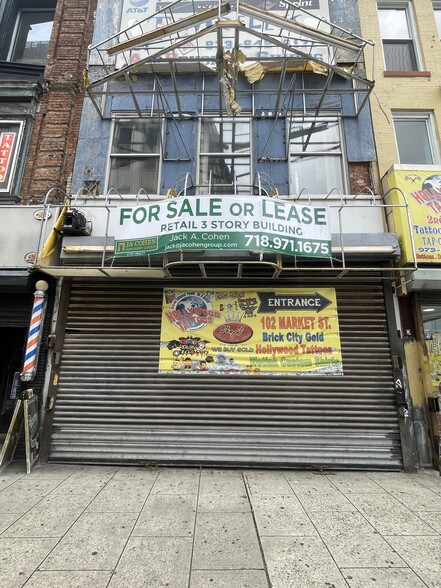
113, 406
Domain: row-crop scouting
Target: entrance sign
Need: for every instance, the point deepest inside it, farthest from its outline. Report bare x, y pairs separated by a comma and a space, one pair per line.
244, 331
223, 223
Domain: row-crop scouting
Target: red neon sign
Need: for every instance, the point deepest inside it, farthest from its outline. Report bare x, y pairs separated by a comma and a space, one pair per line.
7, 142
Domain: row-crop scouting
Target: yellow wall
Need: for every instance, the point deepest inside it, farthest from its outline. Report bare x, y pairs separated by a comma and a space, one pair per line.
401, 93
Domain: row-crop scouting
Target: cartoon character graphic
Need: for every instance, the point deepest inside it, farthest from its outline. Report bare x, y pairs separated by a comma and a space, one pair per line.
248, 305
433, 182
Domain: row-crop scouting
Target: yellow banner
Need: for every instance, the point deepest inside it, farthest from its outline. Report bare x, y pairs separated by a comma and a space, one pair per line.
423, 192
243, 331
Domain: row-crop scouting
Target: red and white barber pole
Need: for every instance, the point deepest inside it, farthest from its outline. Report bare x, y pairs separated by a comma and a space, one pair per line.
35, 332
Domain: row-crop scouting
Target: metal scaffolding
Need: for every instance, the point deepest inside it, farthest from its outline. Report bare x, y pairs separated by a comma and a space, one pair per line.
236, 45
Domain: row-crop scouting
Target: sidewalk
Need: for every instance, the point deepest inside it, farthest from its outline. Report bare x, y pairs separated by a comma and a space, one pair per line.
96, 527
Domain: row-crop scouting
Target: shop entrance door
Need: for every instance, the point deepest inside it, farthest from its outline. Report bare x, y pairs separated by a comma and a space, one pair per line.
12, 341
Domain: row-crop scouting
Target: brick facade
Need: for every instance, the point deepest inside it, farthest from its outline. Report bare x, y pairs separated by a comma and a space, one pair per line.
360, 179
53, 143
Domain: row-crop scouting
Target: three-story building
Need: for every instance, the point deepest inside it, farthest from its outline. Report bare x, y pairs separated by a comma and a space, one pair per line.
227, 270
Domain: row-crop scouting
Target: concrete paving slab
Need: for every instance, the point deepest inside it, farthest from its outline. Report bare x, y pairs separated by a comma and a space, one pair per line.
121, 496
304, 481
323, 500
398, 521
392, 480
229, 579
383, 578
6, 520
433, 519
8, 478
94, 473
422, 554
418, 499
429, 479
226, 541
430, 578
223, 502
95, 542
135, 474
365, 551
269, 483
367, 502
168, 516
354, 482
215, 481
177, 481
22, 495
281, 516
157, 562
64, 502
223, 472
42, 523
72, 486
53, 471
337, 523
300, 562
223, 491
71, 579
19, 558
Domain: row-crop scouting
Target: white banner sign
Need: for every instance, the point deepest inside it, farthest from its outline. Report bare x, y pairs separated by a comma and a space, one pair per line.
215, 223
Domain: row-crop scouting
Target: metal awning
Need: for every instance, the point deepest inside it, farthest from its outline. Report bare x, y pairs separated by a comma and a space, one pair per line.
92, 255
236, 45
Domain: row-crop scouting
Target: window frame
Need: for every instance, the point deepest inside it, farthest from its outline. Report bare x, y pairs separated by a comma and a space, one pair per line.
429, 120
16, 29
235, 189
436, 5
407, 6
340, 154
13, 164
121, 117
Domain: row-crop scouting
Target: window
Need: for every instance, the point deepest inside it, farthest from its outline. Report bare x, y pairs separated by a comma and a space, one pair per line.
415, 137
10, 137
432, 333
437, 13
31, 36
224, 165
399, 46
316, 161
135, 155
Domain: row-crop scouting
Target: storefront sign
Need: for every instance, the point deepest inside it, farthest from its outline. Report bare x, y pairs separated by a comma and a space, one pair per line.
423, 192
223, 223
243, 331
8, 142
135, 11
